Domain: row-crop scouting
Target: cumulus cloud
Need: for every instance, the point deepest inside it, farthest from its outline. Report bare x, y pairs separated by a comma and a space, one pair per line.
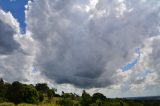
7, 42
143, 78
16, 54
75, 44
84, 43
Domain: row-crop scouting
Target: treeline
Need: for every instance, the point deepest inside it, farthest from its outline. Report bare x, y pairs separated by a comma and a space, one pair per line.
40, 93
23, 93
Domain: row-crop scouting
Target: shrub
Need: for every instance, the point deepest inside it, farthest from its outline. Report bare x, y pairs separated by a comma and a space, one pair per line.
66, 102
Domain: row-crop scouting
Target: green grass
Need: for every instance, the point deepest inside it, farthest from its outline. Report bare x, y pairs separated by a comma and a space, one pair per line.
52, 102
46, 104
6, 104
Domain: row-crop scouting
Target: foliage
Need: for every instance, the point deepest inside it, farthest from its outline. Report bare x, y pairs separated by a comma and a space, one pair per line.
51, 93
3, 91
15, 92
41, 95
42, 87
30, 94
86, 99
99, 96
66, 102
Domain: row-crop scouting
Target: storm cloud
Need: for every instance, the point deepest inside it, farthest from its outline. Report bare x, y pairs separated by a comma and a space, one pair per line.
84, 43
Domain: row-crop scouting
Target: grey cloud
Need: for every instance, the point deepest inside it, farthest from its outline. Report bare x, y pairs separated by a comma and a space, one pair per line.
155, 60
7, 41
144, 76
84, 48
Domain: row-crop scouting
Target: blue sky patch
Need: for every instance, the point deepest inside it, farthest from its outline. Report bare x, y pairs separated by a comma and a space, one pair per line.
132, 63
16, 7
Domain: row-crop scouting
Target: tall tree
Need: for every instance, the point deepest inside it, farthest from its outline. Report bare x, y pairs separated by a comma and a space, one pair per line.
86, 99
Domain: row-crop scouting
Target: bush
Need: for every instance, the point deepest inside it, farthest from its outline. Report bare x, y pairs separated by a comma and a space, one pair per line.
66, 102
2, 99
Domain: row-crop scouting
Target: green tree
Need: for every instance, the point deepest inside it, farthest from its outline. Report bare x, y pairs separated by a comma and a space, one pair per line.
30, 94
41, 96
50, 93
15, 92
3, 91
1, 81
98, 96
86, 99
42, 87
68, 95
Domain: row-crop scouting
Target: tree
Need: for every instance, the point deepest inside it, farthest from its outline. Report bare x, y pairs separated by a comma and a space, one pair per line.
72, 96
42, 87
3, 91
30, 94
15, 92
51, 93
41, 97
1, 81
86, 99
98, 96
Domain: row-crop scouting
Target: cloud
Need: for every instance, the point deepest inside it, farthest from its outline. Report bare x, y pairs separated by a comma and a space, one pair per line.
16, 54
84, 43
143, 78
7, 42
74, 44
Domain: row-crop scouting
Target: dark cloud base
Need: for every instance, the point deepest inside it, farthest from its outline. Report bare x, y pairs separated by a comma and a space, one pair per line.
7, 42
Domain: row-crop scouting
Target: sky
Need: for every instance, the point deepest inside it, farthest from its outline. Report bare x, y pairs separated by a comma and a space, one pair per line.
16, 7
106, 46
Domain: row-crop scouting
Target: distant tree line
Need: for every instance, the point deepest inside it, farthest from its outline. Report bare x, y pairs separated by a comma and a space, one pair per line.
22, 93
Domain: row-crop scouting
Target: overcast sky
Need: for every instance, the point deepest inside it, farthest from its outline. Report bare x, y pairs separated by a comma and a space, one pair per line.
107, 46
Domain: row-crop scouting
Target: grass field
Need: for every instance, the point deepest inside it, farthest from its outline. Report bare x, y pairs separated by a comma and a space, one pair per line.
44, 103
24, 104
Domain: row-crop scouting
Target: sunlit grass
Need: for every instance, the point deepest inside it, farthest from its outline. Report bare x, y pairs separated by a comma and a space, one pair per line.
47, 104
52, 102
6, 104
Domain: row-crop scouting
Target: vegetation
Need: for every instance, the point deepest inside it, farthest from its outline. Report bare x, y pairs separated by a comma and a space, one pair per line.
18, 94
